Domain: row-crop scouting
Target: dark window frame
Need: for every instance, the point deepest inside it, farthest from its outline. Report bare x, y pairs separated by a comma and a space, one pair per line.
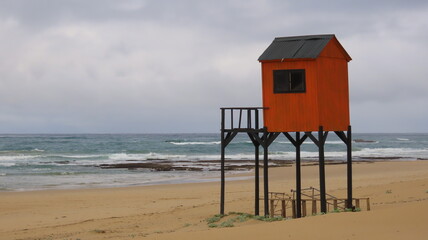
282, 80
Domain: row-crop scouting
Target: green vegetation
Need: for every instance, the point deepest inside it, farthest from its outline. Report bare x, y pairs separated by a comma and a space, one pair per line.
244, 217
388, 191
237, 217
212, 225
216, 218
228, 223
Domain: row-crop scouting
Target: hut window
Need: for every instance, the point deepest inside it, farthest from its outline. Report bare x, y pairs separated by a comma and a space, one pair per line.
289, 81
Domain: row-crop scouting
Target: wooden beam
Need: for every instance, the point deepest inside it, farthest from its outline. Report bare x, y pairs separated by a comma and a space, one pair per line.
321, 141
314, 207
304, 212
349, 167
283, 209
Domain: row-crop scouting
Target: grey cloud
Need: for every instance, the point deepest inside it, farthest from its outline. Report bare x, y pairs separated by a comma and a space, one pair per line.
167, 66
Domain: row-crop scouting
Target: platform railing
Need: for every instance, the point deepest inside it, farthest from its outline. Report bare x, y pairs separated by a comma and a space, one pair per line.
282, 204
314, 194
242, 118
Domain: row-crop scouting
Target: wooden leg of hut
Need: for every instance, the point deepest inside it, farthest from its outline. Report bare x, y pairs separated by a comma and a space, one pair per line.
222, 159
321, 141
298, 178
256, 182
222, 186
266, 180
349, 167
357, 203
335, 204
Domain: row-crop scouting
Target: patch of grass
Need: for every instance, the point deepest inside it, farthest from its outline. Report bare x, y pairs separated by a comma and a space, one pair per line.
215, 219
99, 231
357, 210
187, 225
260, 218
273, 219
389, 191
228, 223
212, 225
240, 217
244, 217
348, 209
336, 210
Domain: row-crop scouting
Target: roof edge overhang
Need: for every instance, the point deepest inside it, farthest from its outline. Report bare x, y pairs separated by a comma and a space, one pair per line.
342, 49
303, 37
288, 60
328, 37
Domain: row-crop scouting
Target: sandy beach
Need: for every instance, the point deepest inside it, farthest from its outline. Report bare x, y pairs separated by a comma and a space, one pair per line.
398, 192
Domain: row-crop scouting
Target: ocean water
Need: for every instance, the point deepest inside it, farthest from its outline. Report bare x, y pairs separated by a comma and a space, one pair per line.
35, 162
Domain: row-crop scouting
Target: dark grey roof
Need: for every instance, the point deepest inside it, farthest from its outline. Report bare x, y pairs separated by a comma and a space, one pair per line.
296, 47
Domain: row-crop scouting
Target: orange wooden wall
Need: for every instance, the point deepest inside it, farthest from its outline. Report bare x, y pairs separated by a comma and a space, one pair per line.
325, 102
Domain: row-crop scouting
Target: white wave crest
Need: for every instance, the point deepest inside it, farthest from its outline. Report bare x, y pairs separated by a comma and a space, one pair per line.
147, 156
310, 142
196, 143
14, 158
403, 139
81, 156
391, 152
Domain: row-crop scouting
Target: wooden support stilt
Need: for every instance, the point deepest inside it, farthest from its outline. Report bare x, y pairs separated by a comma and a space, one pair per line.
256, 182
222, 159
349, 167
256, 168
321, 142
266, 180
298, 177
357, 203
335, 204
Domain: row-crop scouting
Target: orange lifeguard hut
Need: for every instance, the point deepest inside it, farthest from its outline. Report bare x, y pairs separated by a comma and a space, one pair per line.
305, 90
305, 84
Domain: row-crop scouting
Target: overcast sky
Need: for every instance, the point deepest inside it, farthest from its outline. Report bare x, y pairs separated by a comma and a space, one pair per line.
168, 66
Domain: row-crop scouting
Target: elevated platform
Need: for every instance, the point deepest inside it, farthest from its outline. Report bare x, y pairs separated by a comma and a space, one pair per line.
248, 120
